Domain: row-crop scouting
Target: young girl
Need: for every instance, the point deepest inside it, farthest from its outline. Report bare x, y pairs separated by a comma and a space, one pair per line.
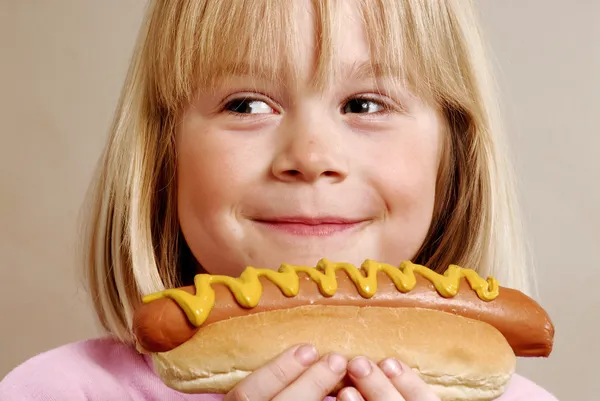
255, 132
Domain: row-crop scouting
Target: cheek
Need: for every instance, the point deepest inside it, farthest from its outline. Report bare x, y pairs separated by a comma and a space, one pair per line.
198, 177
410, 195
211, 174
407, 173
214, 171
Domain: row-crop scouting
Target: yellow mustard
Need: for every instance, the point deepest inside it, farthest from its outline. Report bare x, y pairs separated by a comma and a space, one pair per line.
247, 289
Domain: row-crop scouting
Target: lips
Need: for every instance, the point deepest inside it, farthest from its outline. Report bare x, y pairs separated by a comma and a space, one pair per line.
310, 226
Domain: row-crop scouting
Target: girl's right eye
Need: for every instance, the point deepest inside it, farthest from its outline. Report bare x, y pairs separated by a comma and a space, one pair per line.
248, 106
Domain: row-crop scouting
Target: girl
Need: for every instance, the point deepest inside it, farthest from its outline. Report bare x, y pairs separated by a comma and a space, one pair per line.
257, 132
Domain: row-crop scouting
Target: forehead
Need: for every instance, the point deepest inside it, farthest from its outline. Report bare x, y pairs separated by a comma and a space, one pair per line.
294, 41
324, 42
342, 32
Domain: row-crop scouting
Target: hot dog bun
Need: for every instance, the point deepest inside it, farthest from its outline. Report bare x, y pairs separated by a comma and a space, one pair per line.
461, 358
461, 333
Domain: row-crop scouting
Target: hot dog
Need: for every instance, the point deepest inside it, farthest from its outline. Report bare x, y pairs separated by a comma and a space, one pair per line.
411, 296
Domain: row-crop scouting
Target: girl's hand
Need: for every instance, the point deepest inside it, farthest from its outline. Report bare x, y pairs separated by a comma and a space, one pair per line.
297, 374
390, 381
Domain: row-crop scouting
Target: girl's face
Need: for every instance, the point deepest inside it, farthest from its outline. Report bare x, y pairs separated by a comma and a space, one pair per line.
271, 173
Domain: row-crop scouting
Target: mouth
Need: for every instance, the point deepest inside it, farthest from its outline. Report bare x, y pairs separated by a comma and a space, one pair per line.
311, 227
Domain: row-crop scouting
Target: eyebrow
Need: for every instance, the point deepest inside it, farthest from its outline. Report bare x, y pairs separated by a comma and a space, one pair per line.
364, 70
258, 70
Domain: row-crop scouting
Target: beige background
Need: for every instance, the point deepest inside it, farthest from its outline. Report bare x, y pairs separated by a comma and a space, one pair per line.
61, 66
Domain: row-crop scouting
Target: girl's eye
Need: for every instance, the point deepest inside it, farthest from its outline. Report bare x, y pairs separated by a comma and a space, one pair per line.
248, 106
362, 106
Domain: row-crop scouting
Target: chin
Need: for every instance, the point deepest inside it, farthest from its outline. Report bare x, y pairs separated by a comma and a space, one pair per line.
302, 256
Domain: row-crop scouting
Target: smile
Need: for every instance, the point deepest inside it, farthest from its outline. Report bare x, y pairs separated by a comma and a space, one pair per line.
311, 227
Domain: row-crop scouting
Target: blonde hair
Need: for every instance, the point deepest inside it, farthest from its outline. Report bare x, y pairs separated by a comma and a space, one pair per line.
133, 245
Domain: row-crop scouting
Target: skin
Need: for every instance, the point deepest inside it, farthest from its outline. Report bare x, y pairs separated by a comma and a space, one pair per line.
248, 162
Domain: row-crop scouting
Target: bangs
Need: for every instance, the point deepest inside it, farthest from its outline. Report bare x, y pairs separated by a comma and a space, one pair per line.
419, 44
194, 44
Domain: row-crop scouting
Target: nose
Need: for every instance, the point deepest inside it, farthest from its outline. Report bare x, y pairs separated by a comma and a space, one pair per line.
310, 157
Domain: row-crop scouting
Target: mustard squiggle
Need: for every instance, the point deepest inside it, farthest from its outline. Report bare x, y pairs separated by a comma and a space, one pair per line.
247, 288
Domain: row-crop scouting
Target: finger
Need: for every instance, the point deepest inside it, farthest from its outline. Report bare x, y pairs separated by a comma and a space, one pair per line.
349, 394
407, 381
266, 382
371, 382
317, 381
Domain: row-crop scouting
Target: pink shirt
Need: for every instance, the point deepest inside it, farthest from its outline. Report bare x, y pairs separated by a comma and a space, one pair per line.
105, 370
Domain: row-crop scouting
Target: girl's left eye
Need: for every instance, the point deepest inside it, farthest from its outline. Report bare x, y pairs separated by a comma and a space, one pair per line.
363, 106
248, 106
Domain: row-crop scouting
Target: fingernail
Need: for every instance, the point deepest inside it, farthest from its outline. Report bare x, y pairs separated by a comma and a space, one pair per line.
337, 363
359, 367
350, 394
306, 355
391, 367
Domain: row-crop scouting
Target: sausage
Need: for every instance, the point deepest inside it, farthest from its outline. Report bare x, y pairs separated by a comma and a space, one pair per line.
161, 325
